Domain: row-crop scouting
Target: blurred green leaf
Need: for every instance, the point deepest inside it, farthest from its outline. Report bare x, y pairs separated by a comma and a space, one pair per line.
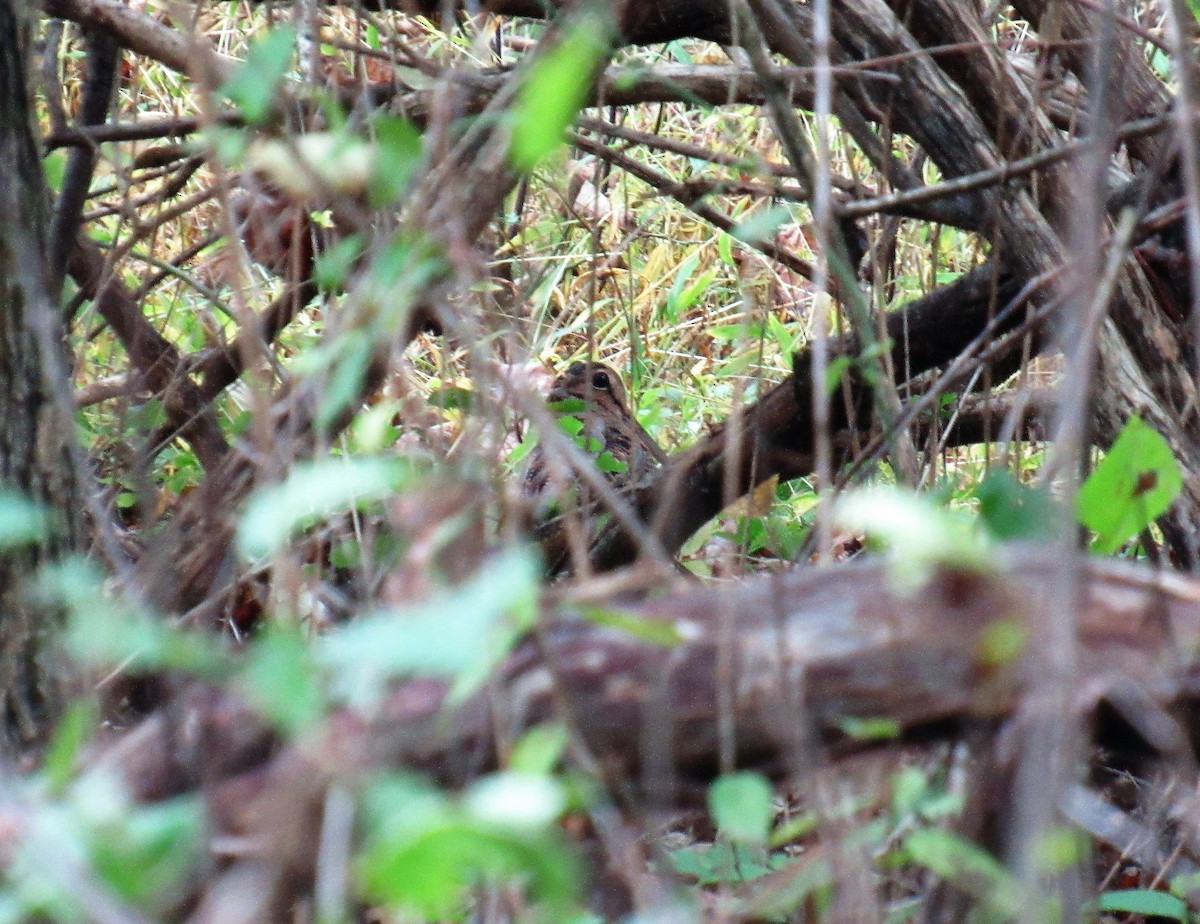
969, 868
516, 801
918, 533
553, 91
870, 728
54, 165
540, 749
728, 863
1009, 509
107, 631
762, 224
315, 490
71, 733
741, 807
1135, 483
21, 520
334, 263
1146, 902
423, 852
280, 679
147, 855
655, 631
252, 85
399, 142
462, 634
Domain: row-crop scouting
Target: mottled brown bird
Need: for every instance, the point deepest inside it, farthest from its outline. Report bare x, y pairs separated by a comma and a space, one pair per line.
608, 424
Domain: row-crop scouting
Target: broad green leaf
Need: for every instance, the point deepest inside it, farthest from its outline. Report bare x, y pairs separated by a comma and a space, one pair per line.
741, 807
1012, 510
460, 635
399, 151
422, 852
516, 801
280, 679
553, 91
21, 520
1135, 483
313, 491
147, 856
54, 165
610, 464
333, 264
540, 749
969, 868
107, 631
1146, 902
761, 226
252, 85
726, 863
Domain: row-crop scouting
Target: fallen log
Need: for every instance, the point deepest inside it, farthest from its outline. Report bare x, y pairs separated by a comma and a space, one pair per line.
773, 667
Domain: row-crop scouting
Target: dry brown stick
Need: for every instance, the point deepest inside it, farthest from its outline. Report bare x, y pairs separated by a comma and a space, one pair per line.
689, 198
155, 359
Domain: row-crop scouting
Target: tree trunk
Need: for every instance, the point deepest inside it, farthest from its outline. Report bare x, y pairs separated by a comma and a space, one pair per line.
34, 428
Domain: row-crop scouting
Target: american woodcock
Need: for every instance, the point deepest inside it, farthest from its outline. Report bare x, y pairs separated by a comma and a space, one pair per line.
607, 423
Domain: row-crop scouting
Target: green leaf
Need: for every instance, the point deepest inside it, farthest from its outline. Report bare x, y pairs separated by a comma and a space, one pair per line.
460, 635
280, 679
70, 735
54, 165
1135, 483
741, 806
399, 142
147, 856
1009, 509
919, 534
422, 852
346, 377
610, 464
762, 224
540, 749
678, 301
21, 520
838, 367
554, 90
870, 729
969, 868
654, 631
252, 85
313, 491
516, 801
333, 264
725, 863
107, 631
1146, 902
725, 248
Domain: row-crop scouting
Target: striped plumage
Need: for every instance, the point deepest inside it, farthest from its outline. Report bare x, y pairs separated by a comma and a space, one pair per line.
606, 420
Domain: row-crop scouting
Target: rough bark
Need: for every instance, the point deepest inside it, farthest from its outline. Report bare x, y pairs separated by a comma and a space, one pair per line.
34, 433
812, 647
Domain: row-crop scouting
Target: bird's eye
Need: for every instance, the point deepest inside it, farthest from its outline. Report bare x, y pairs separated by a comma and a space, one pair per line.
600, 380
